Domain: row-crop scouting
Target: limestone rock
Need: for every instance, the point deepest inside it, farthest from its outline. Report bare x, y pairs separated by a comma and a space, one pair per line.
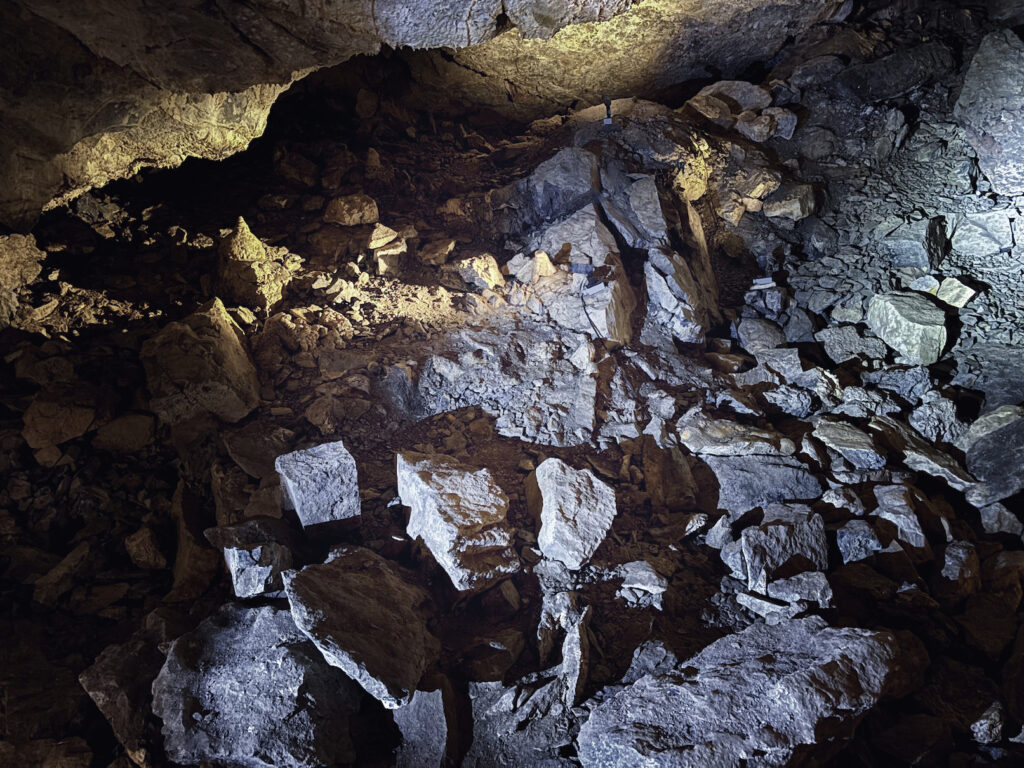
256, 551
366, 620
853, 444
321, 483
575, 509
429, 727
994, 445
20, 261
459, 513
266, 695
844, 343
747, 694
898, 520
479, 273
679, 308
247, 272
352, 210
910, 324
857, 540
989, 109
201, 365
746, 482
128, 433
54, 418
702, 433
782, 547
955, 292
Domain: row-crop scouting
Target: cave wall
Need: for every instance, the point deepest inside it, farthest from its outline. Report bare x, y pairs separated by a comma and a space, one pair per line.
97, 91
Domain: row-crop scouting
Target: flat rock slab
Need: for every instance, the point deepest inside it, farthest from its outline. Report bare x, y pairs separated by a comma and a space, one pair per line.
746, 482
459, 513
991, 110
768, 690
321, 482
575, 508
201, 365
910, 324
247, 688
366, 620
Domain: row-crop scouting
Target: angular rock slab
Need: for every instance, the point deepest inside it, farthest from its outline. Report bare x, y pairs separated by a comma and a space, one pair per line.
366, 620
201, 365
322, 483
575, 508
991, 110
767, 691
247, 688
910, 324
746, 482
459, 513
853, 444
995, 451
429, 730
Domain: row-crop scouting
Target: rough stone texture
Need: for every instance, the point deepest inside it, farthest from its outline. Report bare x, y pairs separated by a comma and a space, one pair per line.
119, 683
653, 46
910, 324
783, 547
248, 273
429, 729
746, 482
575, 509
366, 620
20, 261
201, 365
247, 688
256, 552
352, 210
853, 444
321, 483
459, 513
991, 108
769, 690
995, 451
117, 86
702, 433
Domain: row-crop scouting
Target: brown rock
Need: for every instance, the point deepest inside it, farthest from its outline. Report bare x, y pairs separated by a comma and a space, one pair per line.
126, 434
201, 365
144, 550
352, 210
54, 418
248, 273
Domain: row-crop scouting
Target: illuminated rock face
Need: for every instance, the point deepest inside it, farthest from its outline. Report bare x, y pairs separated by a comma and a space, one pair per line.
125, 89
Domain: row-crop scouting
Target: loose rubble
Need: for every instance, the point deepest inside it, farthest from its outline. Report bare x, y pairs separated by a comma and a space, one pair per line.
635, 436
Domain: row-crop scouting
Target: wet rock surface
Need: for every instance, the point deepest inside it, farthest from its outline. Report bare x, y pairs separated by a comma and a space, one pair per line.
645, 435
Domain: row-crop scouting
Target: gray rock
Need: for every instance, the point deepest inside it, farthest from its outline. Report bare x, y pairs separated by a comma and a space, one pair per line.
898, 520
921, 244
429, 729
459, 513
780, 548
982, 234
958, 575
857, 541
641, 584
746, 482
321, 483
199, 366
853, 444
994, 446
844, 343
366, 620
918, 454
936, 419
749, 694
756, 334
576, 511
679, 307
997, 519
990, 108
247, 688
910, 324
256, 552
809, 587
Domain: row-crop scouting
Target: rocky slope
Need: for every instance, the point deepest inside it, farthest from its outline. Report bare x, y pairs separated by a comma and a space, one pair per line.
643, 437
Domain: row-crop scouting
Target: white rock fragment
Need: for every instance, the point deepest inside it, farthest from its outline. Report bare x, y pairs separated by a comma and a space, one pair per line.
459, 513
575, 508
321, 483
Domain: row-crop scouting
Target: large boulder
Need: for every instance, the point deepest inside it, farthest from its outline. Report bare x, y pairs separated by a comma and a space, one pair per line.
575, 510
798, 687
201, 365
910, 324
991, 110
248, 273
459, 513
366, 620
321, 483
247, 688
